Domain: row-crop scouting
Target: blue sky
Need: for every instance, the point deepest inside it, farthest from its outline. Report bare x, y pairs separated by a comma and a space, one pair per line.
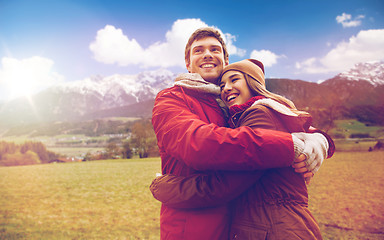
46, 42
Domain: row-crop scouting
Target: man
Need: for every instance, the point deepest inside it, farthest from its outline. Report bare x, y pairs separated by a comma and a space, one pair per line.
192, 137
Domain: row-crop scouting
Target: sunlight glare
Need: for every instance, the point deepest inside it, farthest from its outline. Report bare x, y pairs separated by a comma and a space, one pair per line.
21, 78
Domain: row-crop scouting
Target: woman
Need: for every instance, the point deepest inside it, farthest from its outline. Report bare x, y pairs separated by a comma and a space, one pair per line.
276, 204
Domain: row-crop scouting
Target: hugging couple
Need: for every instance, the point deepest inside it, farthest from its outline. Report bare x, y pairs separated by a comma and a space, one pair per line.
236, 158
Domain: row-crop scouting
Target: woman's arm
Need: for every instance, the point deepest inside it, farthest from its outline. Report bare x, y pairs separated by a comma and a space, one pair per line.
202, 190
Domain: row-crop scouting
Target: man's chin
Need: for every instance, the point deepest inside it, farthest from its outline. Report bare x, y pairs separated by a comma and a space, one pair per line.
212, 78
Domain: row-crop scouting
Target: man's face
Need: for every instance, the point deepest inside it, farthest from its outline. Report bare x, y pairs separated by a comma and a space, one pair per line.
207, 59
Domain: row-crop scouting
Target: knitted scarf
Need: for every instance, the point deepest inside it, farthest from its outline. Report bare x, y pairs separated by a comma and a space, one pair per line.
194, 82
242, 107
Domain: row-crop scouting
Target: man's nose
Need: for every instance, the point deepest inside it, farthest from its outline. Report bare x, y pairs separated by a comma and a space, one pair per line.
207, 54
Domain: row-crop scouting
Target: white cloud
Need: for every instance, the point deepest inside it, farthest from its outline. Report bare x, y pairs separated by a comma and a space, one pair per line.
364, 47
267, 57
232, 49
346, 20
26, 76
112, 46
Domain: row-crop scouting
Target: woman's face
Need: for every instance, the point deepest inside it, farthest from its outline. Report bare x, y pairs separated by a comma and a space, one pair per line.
234, 88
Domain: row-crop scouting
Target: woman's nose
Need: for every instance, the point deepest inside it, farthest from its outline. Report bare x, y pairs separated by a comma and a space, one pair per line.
227, 87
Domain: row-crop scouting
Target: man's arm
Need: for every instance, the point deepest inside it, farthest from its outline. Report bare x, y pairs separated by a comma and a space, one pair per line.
315, 144
202, 190
202, 146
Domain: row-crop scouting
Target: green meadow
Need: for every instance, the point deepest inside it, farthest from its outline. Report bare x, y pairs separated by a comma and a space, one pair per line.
86, 200
111, 200
346, 196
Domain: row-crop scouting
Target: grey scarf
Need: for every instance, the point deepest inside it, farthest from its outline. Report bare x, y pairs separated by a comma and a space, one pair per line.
195, 82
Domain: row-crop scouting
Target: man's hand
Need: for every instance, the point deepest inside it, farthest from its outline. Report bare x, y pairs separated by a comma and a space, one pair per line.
300, 166
315, 150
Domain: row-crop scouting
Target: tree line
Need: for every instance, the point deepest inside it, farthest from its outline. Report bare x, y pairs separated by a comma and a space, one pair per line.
142, 142
28, 153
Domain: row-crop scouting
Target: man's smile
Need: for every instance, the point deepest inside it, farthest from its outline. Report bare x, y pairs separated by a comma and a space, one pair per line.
208, 65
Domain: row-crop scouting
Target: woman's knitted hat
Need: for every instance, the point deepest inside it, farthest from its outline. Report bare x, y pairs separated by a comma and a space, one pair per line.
252, 67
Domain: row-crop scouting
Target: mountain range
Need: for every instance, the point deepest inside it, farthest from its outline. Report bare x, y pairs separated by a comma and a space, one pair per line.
133, 96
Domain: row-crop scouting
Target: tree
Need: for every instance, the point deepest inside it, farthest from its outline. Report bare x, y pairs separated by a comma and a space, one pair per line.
112, 150
143, 138
18, 158
6, 147
87, 157
325, 110
37, 147
126, 150
26, 153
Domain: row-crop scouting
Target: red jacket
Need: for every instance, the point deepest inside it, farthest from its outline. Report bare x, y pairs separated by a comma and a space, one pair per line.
274, 207
191, 136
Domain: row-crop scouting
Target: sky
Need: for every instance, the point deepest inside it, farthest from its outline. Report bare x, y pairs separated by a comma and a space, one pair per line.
44, 42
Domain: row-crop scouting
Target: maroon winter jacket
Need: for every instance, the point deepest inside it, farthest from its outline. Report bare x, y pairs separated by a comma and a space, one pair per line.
192, 137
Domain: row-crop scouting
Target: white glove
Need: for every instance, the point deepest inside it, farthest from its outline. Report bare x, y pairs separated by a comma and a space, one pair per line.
315, 149
298, 146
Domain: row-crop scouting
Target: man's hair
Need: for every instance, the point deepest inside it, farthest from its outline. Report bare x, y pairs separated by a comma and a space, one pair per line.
204, 33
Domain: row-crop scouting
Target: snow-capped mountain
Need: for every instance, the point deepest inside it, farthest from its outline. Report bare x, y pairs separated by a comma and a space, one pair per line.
133, 95
119, 90
373, 72
74, 100
99, 93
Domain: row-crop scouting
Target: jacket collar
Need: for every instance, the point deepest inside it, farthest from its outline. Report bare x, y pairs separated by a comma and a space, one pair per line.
260, 100
235, 111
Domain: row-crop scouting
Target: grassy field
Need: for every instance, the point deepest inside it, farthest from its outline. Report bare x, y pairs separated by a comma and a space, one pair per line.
347, 195
354, 145
111, 200
87, 200
348, 127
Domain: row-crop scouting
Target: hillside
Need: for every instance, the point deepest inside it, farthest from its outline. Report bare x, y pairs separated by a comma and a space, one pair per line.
356, 93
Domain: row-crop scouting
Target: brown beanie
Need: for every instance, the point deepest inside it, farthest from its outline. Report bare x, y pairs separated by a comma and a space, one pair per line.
252, 67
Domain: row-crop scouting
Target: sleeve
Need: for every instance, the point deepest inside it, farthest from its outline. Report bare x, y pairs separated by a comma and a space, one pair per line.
202, 190
207, 190
183, 135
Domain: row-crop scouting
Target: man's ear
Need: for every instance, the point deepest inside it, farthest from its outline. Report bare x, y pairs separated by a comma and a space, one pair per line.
226, 62
188, 66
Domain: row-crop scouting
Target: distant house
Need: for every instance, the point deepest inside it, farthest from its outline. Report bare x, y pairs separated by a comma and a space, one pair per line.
65, 160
